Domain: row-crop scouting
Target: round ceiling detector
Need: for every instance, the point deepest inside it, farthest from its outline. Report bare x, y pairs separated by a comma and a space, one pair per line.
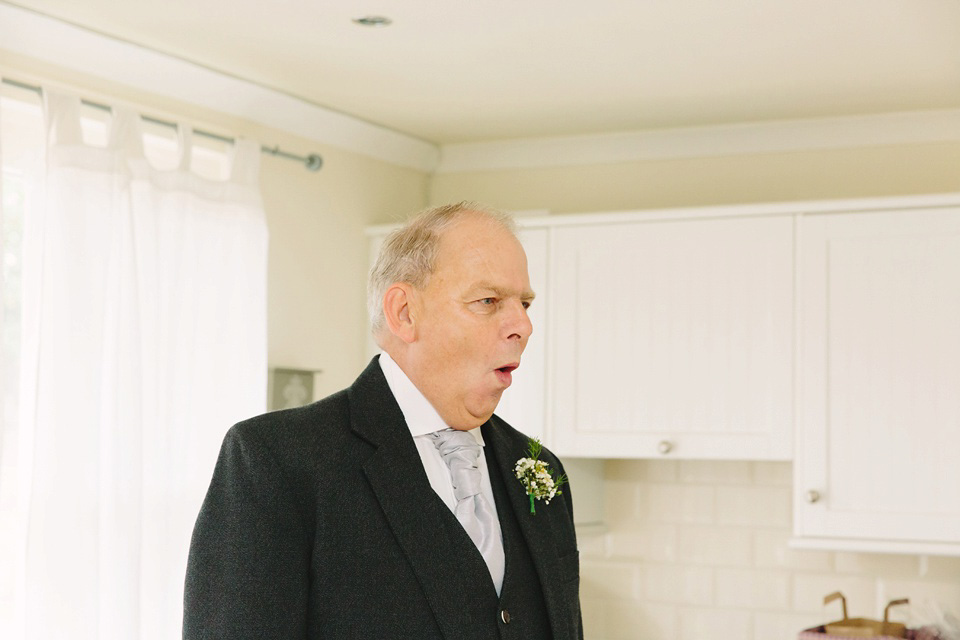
373, 21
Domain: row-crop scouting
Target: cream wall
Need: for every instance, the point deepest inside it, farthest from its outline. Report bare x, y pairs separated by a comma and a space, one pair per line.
767, 177
318, 253
319, 257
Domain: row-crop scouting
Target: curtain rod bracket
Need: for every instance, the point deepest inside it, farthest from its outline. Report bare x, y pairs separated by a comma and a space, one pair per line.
312, 162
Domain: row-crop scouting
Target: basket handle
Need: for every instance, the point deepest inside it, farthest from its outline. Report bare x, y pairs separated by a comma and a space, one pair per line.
893, 603
835, 595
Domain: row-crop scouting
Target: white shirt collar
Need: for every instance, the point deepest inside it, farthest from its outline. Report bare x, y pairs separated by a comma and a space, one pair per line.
419, 414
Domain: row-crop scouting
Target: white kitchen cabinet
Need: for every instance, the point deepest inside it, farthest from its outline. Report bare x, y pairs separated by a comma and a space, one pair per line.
673, 337
878, 449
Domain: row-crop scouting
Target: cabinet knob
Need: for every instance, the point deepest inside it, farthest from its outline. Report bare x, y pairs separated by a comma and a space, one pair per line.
812, 496
665, 447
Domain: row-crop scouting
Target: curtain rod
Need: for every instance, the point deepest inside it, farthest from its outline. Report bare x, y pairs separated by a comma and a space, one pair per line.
312, 162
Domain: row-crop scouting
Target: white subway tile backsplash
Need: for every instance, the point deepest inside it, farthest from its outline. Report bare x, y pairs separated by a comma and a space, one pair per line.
700, 550
726, 546
754, 589
678, 584
656, 543
641, 470
783, 626
633, 621
623, 471
754, 506
621, 502
715, 472
773, 474
660, 471
594, 620
771, 550
940, 568
926, 598
659, 621
677, 503
712, 624
809, 590
877, 564
606, 580
593, 545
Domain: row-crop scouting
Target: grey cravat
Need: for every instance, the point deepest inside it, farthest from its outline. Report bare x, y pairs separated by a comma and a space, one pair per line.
460, 451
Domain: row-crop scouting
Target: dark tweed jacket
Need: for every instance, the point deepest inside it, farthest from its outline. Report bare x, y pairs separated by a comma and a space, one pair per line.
320, 523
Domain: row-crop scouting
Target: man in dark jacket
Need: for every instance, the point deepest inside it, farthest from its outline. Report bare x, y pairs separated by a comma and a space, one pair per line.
392, 509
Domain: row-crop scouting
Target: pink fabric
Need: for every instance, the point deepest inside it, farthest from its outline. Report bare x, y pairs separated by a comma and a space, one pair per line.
923, 633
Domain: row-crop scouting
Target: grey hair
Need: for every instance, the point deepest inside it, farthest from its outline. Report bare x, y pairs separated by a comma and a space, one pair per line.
409, 254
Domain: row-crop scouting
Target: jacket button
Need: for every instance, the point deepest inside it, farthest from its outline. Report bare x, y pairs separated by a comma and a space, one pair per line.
505, 616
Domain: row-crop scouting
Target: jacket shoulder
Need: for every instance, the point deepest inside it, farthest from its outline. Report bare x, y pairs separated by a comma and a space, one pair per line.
298, 424
299, 442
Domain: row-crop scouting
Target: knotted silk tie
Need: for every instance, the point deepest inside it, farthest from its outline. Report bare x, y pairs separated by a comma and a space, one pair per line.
460, 451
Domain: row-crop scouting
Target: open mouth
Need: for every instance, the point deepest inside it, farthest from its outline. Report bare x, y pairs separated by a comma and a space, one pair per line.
503, 373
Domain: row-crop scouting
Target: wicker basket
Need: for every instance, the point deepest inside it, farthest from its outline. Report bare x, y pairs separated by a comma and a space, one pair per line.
857, 627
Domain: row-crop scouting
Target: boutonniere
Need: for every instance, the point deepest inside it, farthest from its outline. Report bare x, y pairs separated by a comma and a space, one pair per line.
536, 477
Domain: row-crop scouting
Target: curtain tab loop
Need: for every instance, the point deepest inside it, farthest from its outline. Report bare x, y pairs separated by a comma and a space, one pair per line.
245, 162
61, 114
185, 143
126, 132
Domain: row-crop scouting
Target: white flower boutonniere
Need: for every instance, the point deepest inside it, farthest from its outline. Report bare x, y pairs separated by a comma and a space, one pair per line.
536, 477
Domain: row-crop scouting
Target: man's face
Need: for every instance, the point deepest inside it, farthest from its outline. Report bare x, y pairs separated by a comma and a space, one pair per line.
471, 321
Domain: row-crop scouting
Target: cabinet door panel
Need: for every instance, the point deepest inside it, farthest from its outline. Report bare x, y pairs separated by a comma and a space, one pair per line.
880, 410
676, 331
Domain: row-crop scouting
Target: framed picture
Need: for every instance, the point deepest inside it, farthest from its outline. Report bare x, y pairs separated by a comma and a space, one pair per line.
289, 388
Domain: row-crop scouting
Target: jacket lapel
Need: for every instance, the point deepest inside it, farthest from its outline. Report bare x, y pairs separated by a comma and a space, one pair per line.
537, 530
418, 519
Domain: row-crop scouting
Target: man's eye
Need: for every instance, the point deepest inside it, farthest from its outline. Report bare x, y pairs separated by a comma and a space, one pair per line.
526, 304
485, 305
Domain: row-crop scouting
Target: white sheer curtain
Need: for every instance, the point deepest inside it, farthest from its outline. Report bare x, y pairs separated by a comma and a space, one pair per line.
143, 340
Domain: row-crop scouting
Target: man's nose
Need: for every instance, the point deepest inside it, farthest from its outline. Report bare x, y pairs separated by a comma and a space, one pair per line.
518, 325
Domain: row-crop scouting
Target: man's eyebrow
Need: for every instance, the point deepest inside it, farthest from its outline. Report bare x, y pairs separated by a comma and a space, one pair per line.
501, 293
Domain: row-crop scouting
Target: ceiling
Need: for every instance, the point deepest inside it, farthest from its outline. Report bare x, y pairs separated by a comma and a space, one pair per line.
449, 72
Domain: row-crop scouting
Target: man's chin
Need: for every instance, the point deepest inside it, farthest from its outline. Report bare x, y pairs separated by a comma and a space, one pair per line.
477, 412
477, 417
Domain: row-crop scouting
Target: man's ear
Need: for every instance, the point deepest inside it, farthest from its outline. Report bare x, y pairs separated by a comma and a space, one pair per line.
397, 303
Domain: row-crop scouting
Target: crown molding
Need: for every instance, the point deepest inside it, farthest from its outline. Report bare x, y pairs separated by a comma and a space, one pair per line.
34, 35
698, 142
50, 40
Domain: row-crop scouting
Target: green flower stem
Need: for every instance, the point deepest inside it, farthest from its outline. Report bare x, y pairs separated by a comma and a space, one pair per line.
533, 509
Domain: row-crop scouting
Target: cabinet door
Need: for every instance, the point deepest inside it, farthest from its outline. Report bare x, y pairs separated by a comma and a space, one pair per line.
673, 338
879, 411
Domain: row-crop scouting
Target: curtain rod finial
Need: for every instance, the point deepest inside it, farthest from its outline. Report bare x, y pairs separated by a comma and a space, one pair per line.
313, 162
